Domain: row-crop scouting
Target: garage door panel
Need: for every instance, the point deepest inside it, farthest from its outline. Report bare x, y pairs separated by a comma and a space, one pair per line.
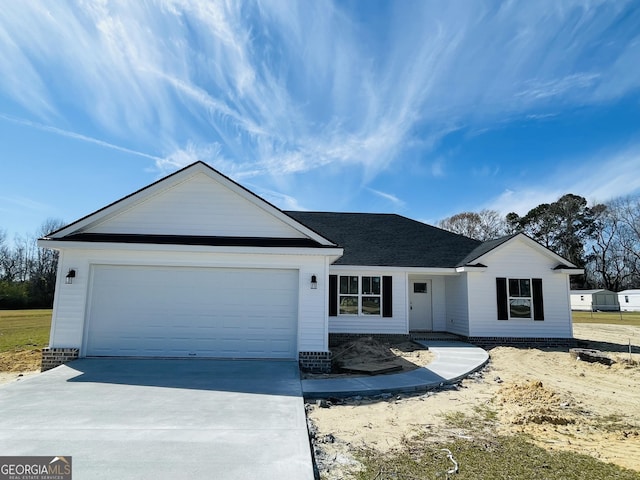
174, 311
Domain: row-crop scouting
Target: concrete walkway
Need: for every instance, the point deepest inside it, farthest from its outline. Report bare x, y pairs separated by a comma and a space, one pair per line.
454, 360
163, 419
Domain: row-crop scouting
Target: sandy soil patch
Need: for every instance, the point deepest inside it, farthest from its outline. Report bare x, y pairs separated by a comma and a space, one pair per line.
563, 403
19, 364
20, 361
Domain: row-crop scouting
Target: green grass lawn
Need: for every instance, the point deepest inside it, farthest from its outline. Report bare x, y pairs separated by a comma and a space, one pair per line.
613, 318
24, 329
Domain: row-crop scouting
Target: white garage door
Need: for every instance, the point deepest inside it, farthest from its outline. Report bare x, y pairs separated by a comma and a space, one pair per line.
192, 312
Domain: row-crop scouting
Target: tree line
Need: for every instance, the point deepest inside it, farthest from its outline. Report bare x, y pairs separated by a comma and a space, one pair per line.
27, 272
604, 239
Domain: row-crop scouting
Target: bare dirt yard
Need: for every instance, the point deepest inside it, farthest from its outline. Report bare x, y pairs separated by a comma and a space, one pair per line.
367, 354
19, 364
560, 402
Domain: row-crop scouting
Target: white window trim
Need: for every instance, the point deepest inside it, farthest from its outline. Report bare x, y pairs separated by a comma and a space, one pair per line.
360, 295
530, 298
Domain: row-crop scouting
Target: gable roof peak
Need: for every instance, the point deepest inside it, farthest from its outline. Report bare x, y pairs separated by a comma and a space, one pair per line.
175, 179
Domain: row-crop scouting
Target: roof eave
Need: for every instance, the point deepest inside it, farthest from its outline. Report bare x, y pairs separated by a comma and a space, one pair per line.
55, 244
396, 268
570, 271
472, 268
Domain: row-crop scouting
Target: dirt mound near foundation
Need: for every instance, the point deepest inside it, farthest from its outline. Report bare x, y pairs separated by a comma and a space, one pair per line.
370, 350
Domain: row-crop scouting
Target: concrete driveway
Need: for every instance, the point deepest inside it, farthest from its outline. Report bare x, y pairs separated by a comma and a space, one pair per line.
162, 419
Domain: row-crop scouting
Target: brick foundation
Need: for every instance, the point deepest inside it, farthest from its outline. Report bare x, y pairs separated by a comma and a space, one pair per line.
490, 342
52, 357
316, 362
336, 339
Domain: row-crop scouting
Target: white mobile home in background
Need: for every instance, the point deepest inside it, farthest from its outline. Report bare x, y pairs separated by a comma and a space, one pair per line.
629, 300
594, 300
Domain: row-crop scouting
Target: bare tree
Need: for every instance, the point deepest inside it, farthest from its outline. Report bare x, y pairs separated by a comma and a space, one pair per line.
482, 225
629, 217
28, 273
606, 265
44, 265
614, 252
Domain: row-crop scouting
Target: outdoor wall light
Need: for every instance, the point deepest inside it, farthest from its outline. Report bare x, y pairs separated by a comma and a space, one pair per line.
70, 276
314, 282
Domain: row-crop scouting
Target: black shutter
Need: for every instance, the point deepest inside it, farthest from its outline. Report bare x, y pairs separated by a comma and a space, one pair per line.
502, 298
387, 300
333, 295
538, 304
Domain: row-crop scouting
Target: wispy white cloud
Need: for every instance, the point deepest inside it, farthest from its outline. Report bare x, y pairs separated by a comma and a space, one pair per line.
542, 90
606, 176
438, 167
486, 171
24, 203
181, 157
279, 199
389, 197
599, 178
283, 88
80, 137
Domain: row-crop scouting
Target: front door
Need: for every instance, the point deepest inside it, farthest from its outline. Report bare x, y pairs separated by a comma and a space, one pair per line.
420, 305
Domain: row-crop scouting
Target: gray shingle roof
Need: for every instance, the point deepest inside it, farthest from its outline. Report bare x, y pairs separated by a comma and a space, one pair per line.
389, 240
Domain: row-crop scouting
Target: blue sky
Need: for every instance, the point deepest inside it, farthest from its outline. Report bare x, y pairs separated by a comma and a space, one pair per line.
423, 108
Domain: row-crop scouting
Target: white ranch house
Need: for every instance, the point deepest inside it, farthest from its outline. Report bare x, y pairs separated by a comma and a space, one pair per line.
195, 265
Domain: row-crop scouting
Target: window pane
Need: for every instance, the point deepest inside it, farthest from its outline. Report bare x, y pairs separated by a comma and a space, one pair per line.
353, 285
375, 285
520, 308
344, 284
349, 285
366, 285
419, 288
371, 285
348, 305
371, 305
519, 287
514, 287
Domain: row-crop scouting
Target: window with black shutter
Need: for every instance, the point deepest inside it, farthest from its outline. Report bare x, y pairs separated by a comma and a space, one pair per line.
519, 298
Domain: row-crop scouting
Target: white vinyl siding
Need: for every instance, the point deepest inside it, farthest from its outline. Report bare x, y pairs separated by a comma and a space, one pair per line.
397, 323
197, 206
438, 304
629, 300
517, 259
457, 313
581, 301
